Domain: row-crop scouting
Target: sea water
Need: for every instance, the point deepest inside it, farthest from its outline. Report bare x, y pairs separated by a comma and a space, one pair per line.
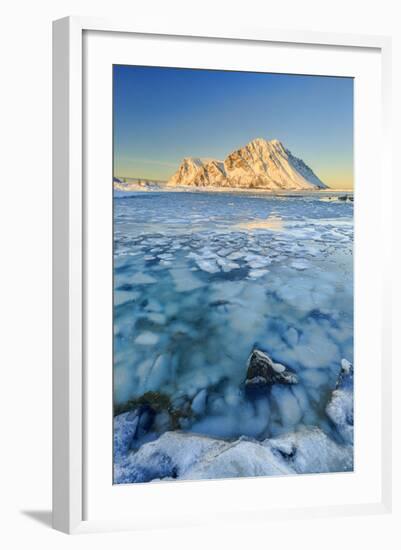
201, 279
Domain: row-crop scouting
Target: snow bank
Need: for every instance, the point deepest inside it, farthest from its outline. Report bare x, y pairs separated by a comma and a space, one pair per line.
179, 455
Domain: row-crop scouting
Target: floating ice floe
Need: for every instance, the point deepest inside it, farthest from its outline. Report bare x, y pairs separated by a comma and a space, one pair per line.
147, 339
142, 279
257, 273
184, 280
301, 265
199, 402
210, 266
157, 318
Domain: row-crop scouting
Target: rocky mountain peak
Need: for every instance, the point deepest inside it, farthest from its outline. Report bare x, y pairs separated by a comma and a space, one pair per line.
261, 164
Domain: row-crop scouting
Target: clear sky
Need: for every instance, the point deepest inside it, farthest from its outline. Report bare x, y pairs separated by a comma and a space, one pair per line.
162, 115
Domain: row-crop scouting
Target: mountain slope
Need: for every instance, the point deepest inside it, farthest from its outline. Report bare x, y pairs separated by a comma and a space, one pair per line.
261, 164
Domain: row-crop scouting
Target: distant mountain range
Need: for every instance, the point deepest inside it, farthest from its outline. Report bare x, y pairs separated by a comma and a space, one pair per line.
261, 164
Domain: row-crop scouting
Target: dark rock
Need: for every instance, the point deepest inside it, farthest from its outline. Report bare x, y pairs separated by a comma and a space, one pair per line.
346, 198
262, 372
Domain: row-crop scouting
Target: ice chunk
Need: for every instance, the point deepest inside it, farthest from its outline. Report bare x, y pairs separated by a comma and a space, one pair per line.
236, 255
142, 279
159, 374
292, 336
124, 296
157, 318
199, 402
122, 378
287, 403
184, 280
300, 264
227, 265
227, 290
153, 305
208, 265
314, 377
257, 273
224, 252
147, 339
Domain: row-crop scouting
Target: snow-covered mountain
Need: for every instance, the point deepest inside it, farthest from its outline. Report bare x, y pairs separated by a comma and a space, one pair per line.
261, 164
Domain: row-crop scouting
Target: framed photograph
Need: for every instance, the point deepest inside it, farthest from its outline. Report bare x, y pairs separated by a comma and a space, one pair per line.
220, 322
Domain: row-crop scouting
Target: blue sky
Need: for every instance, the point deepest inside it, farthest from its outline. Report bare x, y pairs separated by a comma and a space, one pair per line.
162, 115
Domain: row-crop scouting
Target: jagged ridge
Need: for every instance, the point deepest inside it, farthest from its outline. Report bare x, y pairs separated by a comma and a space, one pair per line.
261, 164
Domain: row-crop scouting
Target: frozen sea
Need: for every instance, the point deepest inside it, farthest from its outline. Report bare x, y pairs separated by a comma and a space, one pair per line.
200, 280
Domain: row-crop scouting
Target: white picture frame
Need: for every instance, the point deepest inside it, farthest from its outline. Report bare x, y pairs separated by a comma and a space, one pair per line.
70, 258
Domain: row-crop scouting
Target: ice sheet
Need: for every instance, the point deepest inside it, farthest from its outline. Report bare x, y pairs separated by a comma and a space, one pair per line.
200, 280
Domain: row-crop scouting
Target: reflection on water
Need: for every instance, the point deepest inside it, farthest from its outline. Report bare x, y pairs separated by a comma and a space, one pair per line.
272, 222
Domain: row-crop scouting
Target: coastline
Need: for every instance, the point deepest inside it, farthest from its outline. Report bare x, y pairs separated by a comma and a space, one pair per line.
235, 190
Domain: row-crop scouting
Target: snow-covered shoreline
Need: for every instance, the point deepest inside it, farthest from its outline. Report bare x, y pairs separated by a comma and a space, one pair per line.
235, 190
180, 455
